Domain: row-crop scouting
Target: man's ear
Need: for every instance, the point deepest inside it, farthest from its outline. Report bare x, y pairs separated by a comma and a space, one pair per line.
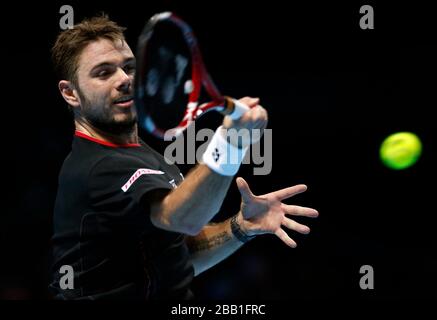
69, 93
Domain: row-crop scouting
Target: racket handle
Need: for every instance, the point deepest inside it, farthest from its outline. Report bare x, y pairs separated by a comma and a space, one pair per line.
234, 108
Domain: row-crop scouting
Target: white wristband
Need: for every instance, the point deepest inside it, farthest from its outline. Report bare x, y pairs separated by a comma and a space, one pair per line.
221, 156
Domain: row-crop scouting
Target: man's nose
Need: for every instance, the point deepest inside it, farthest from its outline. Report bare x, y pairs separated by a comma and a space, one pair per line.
124, 81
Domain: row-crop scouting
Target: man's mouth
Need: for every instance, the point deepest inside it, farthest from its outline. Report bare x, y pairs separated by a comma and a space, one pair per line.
124, 102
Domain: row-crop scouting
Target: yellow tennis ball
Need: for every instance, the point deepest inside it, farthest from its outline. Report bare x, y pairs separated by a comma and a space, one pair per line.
400, 150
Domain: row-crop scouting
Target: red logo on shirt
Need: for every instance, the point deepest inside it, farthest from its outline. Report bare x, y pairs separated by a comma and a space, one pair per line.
138, 174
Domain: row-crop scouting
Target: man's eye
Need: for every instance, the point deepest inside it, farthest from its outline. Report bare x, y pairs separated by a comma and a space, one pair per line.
129, 69
103, 73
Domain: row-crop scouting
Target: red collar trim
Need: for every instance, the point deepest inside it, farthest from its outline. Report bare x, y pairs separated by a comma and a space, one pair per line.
105, 143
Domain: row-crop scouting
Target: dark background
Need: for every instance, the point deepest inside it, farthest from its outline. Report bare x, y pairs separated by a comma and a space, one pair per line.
333, 93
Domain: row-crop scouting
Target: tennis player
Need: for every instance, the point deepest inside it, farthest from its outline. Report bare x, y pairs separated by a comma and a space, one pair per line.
127, 223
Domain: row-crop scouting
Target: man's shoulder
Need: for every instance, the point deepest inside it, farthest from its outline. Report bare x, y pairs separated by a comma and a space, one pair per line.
88, 155
88, 160
84, 159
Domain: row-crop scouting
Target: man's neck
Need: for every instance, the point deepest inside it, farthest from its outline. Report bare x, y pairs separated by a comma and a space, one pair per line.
123, 138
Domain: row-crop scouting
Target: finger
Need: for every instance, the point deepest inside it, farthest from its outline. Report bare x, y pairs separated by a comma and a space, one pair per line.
281, 234
253, 102
289, 192
299, 211
257, 124
261, 112
265, 115
261, 124
244, 189
246, 117
256, 114
295, 226
259, 118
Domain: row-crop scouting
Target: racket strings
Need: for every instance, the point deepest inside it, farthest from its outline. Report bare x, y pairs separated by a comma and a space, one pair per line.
171, 79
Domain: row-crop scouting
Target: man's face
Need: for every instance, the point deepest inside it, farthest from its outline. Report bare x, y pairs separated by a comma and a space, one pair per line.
104, 83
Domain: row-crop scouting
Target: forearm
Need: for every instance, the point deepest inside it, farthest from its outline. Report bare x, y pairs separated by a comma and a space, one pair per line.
212, 245
192, 205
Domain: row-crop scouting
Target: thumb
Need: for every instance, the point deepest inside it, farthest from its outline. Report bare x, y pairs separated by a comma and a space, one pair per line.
244, 189
253, 102
249, 101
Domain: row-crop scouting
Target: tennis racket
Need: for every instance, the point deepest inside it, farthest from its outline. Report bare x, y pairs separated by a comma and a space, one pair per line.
172, 85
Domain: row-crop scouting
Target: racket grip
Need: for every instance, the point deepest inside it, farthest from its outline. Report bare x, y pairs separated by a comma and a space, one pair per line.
237, 108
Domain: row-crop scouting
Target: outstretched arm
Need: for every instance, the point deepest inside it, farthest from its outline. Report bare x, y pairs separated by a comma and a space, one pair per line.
192, 205
188, 208
258, 215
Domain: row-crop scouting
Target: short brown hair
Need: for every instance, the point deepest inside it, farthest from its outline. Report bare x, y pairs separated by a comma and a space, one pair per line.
70, 43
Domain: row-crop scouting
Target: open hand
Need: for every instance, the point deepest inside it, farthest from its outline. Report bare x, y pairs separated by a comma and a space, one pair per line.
267, 214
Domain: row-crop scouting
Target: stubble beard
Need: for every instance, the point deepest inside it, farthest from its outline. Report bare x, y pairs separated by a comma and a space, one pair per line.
103, 118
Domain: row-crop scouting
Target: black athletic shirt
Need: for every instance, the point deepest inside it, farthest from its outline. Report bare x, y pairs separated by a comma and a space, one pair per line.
102, 226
